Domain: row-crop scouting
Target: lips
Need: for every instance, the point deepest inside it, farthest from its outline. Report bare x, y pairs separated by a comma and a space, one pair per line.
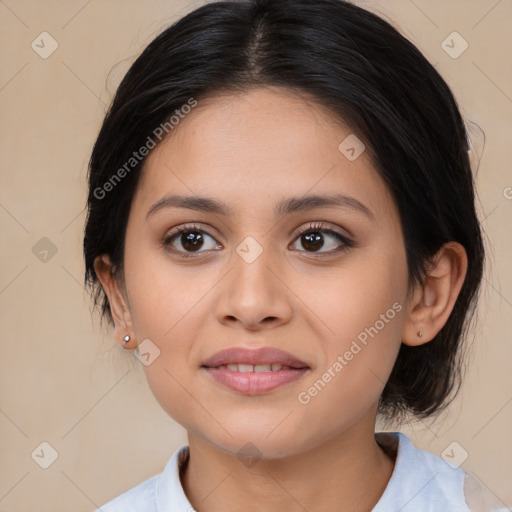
258, 358
254, 372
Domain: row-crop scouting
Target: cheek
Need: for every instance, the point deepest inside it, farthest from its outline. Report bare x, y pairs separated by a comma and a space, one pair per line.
169, 385
358, 294
164, 296
362, 309
168, 305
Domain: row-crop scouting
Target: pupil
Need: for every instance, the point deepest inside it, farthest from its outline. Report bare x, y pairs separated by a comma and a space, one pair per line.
192, 240
312, 240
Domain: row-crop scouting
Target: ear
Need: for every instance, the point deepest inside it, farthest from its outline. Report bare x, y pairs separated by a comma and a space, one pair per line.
118, 302
433, 301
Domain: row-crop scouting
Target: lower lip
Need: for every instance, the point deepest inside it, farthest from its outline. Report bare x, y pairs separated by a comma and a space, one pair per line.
255, 383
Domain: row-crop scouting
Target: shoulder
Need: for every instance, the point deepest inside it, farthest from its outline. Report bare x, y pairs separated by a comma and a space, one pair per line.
158, 493
140, 497
420, 480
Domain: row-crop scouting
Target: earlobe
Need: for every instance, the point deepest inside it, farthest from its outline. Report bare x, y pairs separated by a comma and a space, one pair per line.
433, 301
118, 304
128, 343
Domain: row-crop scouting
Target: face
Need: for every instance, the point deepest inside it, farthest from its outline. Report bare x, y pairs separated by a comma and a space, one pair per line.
324, 282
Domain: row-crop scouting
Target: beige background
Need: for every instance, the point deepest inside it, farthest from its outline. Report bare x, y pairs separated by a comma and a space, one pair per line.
66, 383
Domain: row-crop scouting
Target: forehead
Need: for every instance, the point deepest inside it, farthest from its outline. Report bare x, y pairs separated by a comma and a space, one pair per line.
256, 147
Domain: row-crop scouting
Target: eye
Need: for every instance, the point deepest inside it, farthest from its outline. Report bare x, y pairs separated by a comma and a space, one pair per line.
186, 240
314, 237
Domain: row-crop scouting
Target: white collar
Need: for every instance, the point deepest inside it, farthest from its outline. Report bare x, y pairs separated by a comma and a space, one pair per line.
169, 492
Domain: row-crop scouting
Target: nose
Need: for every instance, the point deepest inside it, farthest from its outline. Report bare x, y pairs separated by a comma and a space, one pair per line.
254, 295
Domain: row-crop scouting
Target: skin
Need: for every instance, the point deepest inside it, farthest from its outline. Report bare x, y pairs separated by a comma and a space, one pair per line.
250, 151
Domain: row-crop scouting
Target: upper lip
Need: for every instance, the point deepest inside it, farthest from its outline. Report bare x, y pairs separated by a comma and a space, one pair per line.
264, 355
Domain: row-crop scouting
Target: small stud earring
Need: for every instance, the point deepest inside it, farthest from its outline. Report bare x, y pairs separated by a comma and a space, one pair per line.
126, 339
420, 334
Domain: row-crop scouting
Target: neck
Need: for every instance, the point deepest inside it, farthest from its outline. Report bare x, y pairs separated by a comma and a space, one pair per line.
348, 472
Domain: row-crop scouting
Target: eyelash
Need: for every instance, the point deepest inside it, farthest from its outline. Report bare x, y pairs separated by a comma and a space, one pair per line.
311, 228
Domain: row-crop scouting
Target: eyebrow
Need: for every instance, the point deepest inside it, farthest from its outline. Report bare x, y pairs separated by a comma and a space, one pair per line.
285, 206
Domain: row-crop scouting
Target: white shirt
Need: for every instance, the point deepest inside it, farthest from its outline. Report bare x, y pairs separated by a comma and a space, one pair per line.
420, 482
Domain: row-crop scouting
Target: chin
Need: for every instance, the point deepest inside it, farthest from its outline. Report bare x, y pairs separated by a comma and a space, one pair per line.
253, 444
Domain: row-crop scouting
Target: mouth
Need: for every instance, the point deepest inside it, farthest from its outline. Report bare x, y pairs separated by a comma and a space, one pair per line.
254, 372
247, 360
259, 368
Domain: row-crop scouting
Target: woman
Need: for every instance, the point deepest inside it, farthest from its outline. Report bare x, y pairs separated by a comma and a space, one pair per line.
282, 225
